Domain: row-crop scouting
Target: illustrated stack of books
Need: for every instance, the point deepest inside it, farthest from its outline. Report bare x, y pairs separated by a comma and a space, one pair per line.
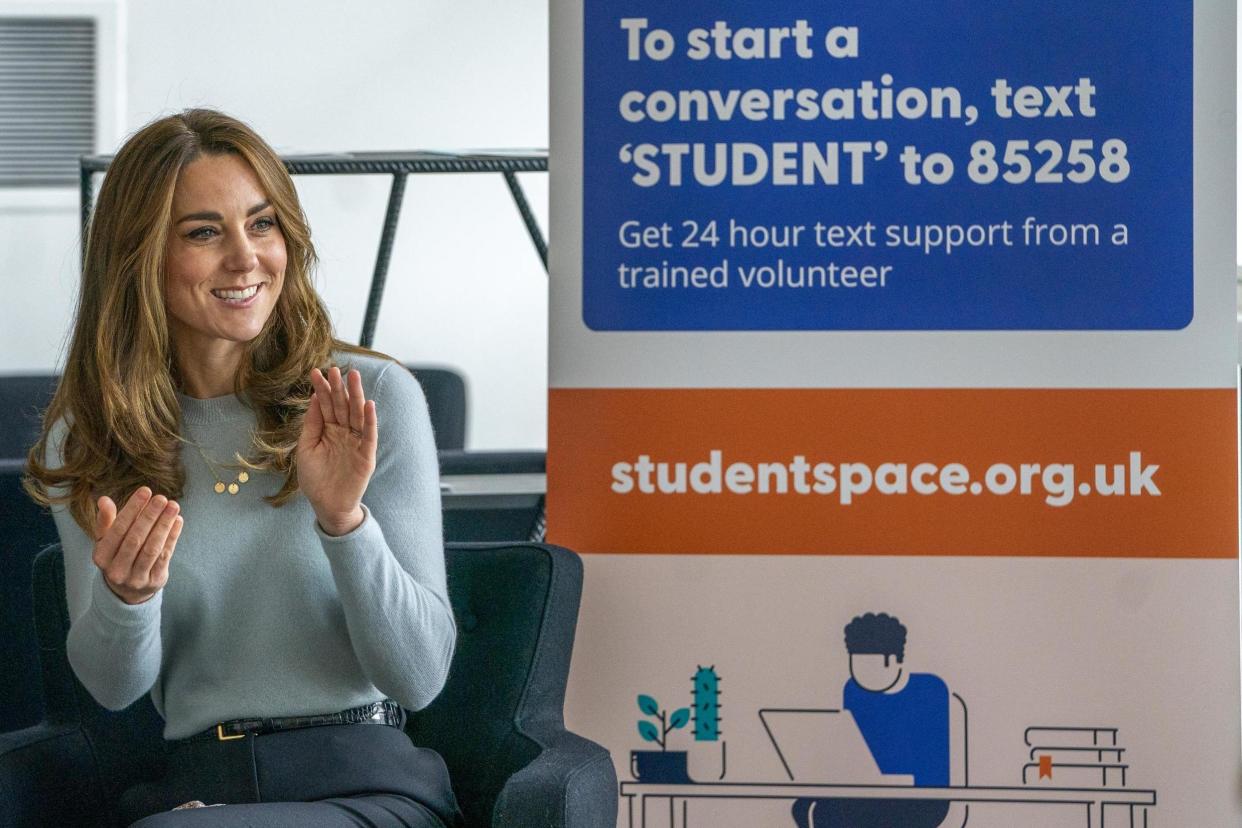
1074, 757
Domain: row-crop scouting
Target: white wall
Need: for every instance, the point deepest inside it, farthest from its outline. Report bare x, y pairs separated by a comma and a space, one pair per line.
465, 287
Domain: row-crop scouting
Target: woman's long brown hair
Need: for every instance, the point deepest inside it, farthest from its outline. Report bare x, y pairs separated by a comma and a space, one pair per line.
119, 385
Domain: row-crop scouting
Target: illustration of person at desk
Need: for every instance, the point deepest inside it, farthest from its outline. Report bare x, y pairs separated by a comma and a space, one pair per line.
903, 718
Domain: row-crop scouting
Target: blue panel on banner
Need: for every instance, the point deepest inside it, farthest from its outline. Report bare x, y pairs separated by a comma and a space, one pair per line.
888, 166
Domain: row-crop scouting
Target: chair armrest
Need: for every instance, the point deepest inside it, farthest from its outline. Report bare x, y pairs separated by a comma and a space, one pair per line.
47, 778
571, 783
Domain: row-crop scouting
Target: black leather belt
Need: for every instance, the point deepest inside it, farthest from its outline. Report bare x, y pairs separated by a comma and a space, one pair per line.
386, 712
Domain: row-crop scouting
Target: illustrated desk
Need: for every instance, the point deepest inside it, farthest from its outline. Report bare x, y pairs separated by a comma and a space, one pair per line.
1093, 800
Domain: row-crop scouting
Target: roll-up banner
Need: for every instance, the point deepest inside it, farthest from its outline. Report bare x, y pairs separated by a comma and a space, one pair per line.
893, 408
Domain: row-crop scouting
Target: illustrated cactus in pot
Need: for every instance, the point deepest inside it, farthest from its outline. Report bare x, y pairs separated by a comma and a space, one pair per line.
706, 692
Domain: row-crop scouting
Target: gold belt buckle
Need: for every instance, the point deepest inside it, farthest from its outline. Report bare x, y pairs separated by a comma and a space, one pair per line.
220, 734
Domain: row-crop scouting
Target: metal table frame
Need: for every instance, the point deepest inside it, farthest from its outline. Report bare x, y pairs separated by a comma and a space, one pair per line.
398, 165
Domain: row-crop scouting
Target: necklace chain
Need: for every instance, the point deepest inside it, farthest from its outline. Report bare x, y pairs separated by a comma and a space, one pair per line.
220, 488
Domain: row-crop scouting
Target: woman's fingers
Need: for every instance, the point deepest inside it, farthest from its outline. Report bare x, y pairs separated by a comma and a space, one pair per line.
324, 393
370, 434
357, 403
170, 543
312, 423
159, 572
135, 538
105, 514
340, 397
108, 541
153, 545
137, 544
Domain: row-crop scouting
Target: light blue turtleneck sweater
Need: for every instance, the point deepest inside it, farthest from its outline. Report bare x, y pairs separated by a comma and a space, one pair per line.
264, 614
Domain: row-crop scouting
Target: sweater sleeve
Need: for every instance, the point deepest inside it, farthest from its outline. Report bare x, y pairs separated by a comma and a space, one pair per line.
389, 571
113, 647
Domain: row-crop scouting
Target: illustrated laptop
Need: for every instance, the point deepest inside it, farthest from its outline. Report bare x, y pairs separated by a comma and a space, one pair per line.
825, 747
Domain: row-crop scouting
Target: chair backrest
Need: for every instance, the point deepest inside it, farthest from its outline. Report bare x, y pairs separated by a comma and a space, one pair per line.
22, 401
445, 390
516, 607
127, 746
24, 530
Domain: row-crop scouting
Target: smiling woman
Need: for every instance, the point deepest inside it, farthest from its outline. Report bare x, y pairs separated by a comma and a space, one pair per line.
173, 222
225, 265
308, 586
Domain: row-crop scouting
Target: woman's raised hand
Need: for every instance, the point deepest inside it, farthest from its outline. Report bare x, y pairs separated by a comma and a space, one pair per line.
336, 450
133, 548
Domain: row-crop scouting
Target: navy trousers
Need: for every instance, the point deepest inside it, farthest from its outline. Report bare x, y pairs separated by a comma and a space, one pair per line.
357, 775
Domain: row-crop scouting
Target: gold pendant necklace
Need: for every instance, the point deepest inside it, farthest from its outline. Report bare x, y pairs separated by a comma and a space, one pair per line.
220, 488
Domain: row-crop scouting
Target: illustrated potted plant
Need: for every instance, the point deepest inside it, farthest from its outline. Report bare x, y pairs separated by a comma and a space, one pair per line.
661, 765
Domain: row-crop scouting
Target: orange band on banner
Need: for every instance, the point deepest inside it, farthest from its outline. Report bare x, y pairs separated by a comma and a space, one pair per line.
1090, 473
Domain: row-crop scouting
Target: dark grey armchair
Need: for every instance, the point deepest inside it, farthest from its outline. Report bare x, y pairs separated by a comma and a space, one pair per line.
498, 724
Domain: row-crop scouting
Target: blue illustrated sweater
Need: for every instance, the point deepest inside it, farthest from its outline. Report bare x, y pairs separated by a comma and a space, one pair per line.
907, 731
